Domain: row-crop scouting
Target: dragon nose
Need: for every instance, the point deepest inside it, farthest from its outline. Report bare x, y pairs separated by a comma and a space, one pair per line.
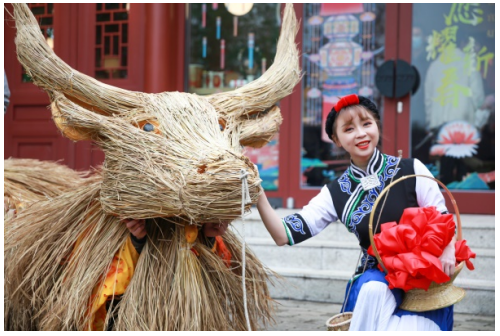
202, 169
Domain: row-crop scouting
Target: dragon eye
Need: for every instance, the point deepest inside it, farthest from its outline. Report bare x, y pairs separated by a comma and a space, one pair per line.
222, 124
148, 127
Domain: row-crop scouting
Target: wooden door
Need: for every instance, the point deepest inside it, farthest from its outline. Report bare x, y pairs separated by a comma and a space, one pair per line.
29, 131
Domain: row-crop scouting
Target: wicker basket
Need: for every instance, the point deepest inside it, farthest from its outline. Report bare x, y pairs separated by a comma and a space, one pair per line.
438, 295
339, 322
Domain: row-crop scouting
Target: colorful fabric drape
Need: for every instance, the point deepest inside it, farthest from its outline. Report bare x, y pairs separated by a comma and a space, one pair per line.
221, 250
120, 274
116, 282
411, 249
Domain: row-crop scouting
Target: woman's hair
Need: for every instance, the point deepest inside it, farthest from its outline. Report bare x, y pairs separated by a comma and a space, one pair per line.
332, 116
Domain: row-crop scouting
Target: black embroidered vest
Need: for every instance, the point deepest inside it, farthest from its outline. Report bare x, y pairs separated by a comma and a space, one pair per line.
354, 205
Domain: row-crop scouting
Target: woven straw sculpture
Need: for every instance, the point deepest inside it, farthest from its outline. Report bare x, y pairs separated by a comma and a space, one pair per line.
29, 180
172, 158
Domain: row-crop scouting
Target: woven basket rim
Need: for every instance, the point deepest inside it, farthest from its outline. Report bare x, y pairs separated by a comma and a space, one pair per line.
329, 324
453, 293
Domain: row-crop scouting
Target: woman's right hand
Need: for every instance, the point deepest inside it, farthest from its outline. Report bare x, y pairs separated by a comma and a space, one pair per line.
271, 221
137, 227
448, 258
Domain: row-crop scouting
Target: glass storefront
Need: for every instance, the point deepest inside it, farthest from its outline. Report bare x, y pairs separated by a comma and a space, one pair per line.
343, 45
228, 50
230, 45
453, 111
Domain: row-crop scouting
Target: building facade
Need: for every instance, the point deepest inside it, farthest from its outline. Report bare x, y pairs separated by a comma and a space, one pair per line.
429, 67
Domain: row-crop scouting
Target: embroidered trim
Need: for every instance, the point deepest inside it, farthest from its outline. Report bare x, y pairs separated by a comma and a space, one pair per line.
351, 202
345, 183
373, 167
377, 165
295, 223
288, 233
367, 203
352, 176
372, 261
350, 228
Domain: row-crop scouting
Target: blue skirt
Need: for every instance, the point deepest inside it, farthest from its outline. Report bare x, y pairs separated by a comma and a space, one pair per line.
442, 317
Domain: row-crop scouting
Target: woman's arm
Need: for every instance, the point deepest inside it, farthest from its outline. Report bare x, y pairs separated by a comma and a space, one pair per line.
272, 221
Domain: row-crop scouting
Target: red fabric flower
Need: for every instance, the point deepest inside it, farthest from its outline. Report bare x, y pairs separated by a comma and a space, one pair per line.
464, 253
351, 99
411, 249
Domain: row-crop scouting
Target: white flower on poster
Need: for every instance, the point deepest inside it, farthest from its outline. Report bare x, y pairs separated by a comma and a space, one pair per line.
456, 139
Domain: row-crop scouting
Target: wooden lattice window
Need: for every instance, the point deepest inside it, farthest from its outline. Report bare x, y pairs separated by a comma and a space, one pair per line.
44, 13
111, 52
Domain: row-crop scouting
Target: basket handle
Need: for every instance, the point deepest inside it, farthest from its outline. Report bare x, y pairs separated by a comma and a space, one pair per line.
372, 214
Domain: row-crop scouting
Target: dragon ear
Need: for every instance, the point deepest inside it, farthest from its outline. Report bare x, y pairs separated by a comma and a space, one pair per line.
260, 128
71, 132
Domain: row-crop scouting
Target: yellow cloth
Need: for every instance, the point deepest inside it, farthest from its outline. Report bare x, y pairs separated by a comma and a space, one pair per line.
119, 276
116, 281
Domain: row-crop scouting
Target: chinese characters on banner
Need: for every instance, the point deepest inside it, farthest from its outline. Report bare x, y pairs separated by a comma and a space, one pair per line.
453, 113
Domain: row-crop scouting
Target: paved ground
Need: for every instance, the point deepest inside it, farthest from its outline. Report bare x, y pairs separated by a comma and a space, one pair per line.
312, 316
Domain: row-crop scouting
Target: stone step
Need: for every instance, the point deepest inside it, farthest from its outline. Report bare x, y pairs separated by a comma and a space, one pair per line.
322, 255
329, 286
478, 230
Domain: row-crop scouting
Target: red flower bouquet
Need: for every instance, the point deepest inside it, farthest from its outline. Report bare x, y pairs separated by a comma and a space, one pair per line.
411, 249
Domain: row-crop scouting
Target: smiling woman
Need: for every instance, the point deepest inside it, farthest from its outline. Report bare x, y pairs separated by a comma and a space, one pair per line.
356, 129
353, 125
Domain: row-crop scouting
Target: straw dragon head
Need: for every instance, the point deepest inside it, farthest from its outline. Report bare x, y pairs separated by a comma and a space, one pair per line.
166, 154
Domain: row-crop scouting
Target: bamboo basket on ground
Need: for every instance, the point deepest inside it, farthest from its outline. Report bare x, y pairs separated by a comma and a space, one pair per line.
339, 322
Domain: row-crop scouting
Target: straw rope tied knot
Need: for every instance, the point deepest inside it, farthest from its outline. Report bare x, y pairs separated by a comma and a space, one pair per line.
245, 193
245, 199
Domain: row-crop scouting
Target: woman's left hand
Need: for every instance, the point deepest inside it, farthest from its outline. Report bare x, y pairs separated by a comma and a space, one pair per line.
448, 258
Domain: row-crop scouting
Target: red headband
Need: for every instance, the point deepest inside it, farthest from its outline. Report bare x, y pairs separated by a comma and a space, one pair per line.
346, 101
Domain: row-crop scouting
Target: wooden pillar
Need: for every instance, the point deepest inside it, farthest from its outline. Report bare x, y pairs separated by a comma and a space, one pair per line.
164, 47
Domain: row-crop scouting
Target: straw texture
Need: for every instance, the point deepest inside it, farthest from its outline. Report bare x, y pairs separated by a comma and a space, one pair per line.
243, 107
436, 297
171, 288
339, 322
187, 167
183, 169
29, 180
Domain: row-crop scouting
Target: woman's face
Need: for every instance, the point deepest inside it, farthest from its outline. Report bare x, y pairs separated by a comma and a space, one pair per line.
215, 229
357, 132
